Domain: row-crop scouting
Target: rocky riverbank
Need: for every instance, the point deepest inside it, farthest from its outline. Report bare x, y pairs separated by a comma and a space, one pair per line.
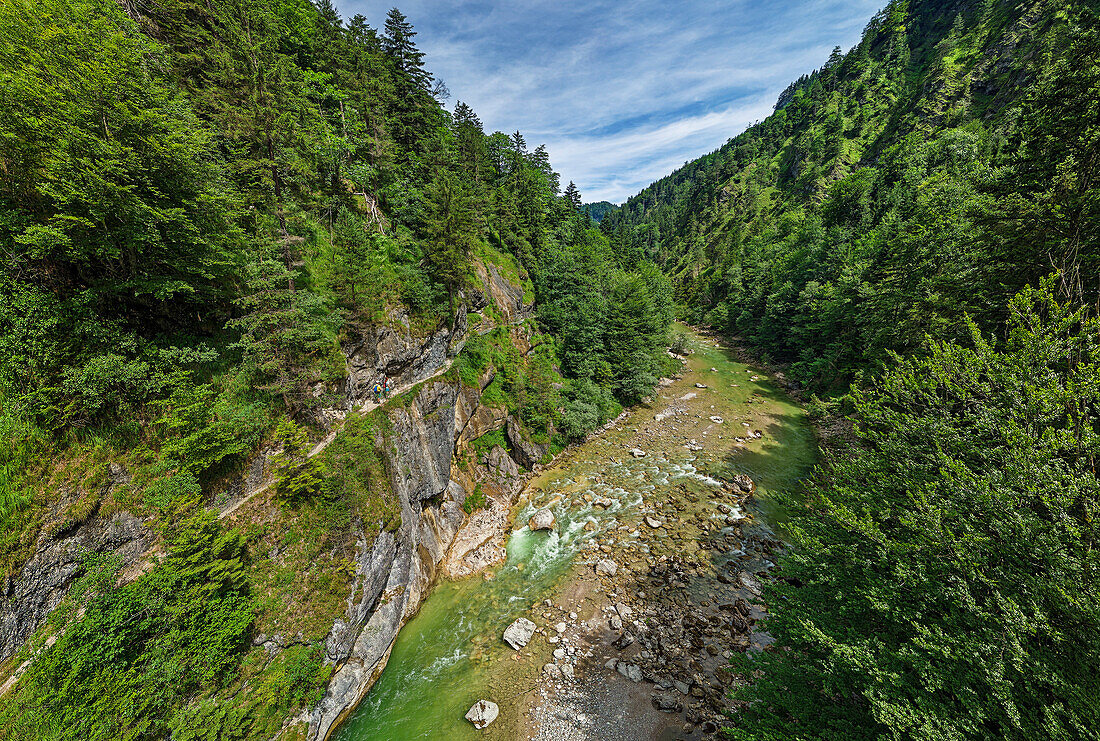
637, 640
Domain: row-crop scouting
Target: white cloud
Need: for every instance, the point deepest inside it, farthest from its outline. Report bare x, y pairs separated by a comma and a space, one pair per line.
624, 92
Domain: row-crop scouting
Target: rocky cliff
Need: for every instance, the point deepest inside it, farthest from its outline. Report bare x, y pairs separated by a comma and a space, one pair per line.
393, 576
431, 417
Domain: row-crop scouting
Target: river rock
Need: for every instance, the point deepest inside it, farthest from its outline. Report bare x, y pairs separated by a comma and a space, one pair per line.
637, 452
667, 702
482, 713
519, 633
541, 520
652, 521
606, 567
716, 420
633, 672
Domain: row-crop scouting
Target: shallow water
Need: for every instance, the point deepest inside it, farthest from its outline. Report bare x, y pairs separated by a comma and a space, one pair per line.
451, 654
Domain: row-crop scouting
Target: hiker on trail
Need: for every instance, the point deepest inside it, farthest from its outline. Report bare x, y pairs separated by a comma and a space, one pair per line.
377, 392
386, 387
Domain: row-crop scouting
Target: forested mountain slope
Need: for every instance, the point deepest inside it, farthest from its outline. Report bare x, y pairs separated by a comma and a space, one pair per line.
921, 217
946, 161
221, 225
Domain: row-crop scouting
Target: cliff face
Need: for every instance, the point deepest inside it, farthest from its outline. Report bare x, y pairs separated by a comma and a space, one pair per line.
431, 417
396, 572
393, 576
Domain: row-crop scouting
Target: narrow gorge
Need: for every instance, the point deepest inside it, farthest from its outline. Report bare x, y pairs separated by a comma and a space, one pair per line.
329, 411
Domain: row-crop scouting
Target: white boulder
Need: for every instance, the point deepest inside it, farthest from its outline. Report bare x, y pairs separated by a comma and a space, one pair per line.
541, 520
519, 633
482, 713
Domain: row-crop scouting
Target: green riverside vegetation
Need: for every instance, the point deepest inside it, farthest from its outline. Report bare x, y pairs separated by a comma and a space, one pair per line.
886, 236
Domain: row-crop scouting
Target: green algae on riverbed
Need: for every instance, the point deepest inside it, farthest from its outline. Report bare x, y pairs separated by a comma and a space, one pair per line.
451, 654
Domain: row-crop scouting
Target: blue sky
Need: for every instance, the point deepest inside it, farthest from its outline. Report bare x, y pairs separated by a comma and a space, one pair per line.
624, 92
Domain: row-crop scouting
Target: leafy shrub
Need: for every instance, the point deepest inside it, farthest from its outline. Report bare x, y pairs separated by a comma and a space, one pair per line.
141, 650
587, 406
940, 583
816, 409
474, 500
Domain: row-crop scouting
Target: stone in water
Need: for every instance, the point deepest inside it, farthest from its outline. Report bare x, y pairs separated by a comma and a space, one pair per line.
519, 633
482, 713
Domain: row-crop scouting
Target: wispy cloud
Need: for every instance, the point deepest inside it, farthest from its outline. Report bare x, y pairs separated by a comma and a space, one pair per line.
624, 92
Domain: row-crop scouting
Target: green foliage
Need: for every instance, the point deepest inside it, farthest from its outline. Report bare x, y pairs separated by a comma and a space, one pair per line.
490, 440
201, 428
112, 218
354, 471
475, 500
587, 406
941, 580
141, 650
203, 205
451, 232
288, 335
816, 409
942, 165
298, 476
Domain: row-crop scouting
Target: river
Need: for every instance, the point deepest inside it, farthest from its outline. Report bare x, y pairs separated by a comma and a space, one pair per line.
451, 653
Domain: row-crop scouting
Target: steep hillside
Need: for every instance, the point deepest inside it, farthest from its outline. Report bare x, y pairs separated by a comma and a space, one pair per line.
920, 216
599, 210
222, 226
946, 161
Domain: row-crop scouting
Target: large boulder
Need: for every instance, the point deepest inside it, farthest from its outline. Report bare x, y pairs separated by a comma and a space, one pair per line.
482, 713
526, 452
519, 633
541, 520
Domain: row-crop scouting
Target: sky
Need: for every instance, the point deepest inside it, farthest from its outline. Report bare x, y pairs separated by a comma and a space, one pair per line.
623, 92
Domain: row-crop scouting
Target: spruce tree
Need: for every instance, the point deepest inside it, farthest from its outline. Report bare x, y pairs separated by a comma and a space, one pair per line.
573, 195
397, 42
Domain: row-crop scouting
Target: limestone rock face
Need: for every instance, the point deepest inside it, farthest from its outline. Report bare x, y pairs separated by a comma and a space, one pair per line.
482, 713
395, 572
498, 460
28, 597
526, 452
392, 351
519, 633
423, 438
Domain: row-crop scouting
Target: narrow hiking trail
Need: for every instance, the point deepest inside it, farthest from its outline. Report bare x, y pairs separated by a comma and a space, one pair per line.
367, 407
451, 654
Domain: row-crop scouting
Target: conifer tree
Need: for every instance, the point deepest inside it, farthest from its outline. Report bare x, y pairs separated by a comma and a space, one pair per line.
397, 42
573, 195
